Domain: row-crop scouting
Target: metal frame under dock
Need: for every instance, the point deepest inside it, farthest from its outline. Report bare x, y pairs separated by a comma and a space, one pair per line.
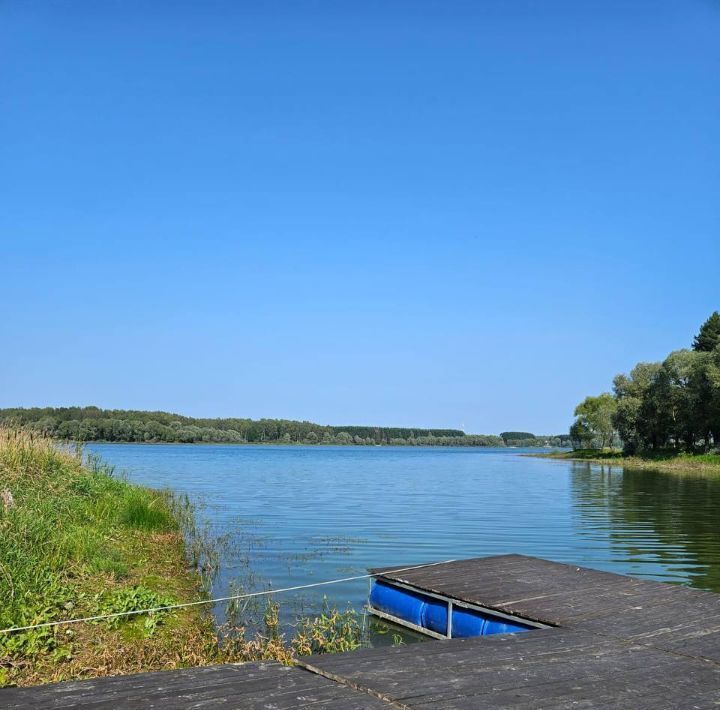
606, 641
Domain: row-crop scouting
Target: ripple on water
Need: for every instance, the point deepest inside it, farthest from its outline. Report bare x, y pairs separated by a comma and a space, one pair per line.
302, 514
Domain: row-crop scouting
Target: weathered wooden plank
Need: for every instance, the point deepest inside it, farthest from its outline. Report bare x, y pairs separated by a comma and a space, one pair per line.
551, 592
618, 642
540, 669
116, 686
502, 649
556, 594
231, 686
637, 619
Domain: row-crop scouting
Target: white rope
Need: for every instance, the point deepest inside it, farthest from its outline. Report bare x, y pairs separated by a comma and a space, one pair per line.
102, 617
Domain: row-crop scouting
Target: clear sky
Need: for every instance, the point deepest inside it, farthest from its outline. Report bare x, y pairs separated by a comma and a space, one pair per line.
459, 214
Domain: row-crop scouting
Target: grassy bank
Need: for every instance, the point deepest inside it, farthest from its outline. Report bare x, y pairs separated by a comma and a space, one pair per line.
662, 461
76, 541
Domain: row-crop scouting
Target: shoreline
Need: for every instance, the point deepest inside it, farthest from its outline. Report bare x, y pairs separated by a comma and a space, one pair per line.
104, 551
678, 463
96, 546
293, 444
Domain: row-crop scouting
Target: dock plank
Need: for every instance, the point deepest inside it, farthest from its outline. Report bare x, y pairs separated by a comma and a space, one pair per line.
613, 641
248, 686
548, 668
550, 592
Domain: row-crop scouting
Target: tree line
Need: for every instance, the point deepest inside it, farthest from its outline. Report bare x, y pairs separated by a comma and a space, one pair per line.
526, 439
115, 425
668, 405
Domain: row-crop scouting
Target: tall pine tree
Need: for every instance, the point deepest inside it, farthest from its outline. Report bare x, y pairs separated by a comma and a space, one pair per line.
709, 335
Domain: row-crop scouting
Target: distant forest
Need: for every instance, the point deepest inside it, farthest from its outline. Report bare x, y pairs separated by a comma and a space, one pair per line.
94, 424
525, 439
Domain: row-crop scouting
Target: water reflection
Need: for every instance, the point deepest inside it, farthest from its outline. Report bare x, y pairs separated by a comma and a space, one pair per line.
661, 525
299, 515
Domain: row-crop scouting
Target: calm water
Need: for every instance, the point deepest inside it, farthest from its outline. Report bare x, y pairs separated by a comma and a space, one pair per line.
303, 514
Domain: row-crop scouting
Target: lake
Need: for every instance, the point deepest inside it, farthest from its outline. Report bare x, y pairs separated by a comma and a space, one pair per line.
301, 514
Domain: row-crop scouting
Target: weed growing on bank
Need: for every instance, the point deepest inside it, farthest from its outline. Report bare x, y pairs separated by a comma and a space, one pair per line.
77, 541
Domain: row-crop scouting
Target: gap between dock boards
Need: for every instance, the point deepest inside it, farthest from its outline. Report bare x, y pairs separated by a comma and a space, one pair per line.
309, 668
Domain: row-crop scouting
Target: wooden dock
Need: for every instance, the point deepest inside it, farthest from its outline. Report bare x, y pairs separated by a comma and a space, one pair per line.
614, 642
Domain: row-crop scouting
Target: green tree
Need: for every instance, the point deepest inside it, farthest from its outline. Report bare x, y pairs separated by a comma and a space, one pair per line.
709, 336
673, 404
704, 383
678, 399
640, 418
514, 436
713, 375
580, 435
596, 415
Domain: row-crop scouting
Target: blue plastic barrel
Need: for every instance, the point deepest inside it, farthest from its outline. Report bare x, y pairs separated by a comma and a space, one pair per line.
502, 626
467, 623
399, 602
435, 616
432, 614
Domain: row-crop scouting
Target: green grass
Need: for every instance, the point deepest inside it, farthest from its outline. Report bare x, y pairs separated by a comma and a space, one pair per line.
65, 523
76, 541
659, 460
146, 512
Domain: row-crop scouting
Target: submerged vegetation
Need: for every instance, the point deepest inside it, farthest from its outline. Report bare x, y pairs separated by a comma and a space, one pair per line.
77, 541
660, 409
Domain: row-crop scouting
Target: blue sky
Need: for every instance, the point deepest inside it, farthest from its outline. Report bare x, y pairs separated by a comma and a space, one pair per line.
449, 213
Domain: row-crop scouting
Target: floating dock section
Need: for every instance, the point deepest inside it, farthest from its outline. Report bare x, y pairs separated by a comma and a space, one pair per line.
440, 616
587, 639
